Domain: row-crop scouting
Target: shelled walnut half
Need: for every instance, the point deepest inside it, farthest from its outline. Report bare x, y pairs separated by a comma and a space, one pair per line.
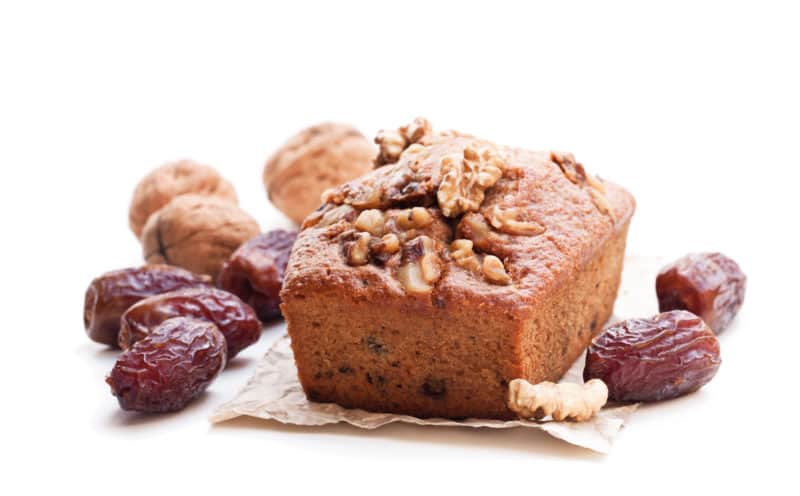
564, 401
466, 178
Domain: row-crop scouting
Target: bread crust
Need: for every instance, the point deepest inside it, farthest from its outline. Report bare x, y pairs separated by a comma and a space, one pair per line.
362, 340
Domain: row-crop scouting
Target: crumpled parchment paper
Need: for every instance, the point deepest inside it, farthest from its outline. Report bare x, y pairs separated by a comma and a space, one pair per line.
275, 393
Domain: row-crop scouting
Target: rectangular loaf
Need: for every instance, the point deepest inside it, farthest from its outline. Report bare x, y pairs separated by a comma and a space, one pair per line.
427, 285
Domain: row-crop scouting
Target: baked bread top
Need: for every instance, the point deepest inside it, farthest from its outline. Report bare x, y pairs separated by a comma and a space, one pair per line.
446, 218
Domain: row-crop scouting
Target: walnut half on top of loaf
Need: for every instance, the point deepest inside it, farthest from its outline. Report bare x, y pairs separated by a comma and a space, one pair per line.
463, 260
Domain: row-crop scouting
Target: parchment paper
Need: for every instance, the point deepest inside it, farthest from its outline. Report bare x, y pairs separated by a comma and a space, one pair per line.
274, 392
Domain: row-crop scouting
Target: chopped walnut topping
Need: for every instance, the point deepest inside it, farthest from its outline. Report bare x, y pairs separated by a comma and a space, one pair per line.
332, 195
381, 250
601, 202
329, 215
466, 178
392, 220
473, 226
595, 183
494, 271
575, 172
393, 143
417, 129
507, 220
389, 243
566, 162
364, 198
598, 192
420, 265
357, 251
414, 218
415, 149
462, 254
370, 221
408, 234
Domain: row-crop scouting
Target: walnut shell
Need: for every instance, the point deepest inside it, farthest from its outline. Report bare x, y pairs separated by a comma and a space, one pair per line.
315, 159
196, 232
163, 184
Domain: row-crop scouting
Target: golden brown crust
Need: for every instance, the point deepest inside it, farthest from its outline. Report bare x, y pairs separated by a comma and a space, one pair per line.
315, 159
501, 293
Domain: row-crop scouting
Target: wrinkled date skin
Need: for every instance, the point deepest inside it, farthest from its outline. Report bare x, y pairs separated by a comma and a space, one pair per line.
709, 285
170, 367
111, 294
232, 316
666, 356
255, 271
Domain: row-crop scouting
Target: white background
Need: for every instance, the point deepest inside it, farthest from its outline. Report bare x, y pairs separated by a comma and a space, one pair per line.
692, 106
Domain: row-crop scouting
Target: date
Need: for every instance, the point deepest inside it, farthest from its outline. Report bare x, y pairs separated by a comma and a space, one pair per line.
109, 295
255, 271
709, 285
169, 367
235, 319
666, 356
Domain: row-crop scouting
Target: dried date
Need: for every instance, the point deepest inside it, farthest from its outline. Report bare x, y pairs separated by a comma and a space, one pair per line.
666, 356
236, 320
255, 271
169, 367
109, 295
709, 285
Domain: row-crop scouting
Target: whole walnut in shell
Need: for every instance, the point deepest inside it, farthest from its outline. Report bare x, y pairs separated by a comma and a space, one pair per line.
163, 184
317, 158
197, 233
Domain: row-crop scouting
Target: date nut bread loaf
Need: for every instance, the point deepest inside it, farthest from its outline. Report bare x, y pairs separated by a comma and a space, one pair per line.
455, 266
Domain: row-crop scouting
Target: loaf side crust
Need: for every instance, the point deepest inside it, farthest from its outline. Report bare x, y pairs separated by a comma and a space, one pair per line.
385, 353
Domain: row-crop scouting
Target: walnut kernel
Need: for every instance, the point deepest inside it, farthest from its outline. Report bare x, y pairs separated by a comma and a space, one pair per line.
163, 184
198, 233
473, 226
414, 218
578, 402
601, 202
465, 179
507, 220
566, 162
462, 254
494, 271
370, 221
392, 143
388, 244
364, 198
595, 183
330, 215
417, 129
357, 251
420, 266
576, 173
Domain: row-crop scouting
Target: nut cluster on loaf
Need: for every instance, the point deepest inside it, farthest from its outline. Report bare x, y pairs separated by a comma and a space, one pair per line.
422, 207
